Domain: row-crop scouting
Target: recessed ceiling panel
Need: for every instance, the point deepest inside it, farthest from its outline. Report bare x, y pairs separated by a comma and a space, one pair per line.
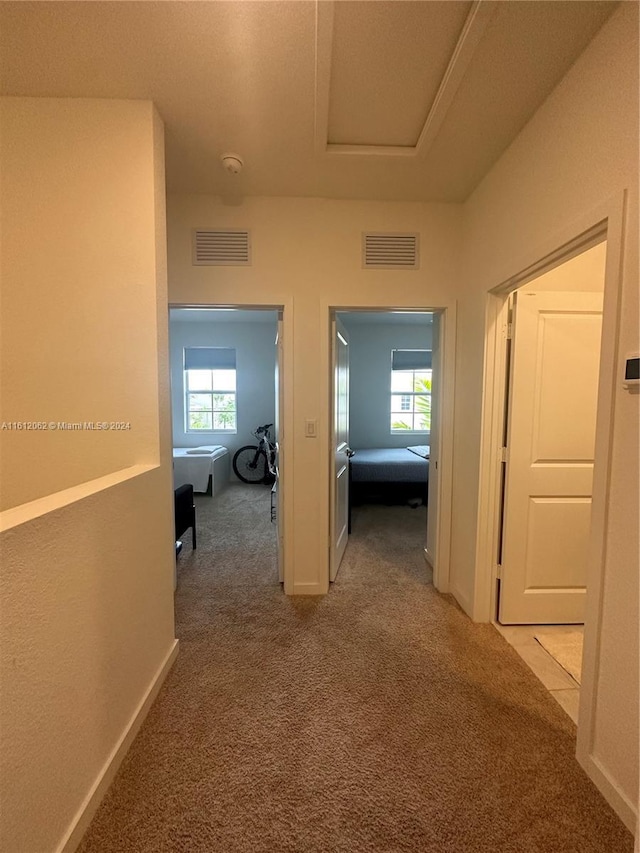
388, 60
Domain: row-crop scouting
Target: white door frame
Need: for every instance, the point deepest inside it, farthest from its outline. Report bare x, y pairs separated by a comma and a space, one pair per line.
285, 502
607, 221
447, 317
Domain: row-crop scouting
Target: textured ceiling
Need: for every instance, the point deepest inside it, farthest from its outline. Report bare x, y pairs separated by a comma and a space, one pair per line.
374, 100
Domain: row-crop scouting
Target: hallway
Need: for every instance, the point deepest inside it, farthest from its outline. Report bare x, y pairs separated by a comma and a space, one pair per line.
378, 718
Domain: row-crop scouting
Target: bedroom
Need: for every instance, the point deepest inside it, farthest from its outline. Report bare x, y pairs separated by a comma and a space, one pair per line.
390, 406
223, 367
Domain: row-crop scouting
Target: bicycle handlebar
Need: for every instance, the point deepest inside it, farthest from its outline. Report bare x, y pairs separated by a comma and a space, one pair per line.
262, 432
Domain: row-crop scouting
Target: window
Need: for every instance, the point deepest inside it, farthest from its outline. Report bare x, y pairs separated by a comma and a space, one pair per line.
410, 390
210, 389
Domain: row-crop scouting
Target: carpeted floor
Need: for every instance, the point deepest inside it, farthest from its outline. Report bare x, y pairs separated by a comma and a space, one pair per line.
377, 719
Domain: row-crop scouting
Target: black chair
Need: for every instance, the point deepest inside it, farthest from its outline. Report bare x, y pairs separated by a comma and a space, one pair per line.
185, 513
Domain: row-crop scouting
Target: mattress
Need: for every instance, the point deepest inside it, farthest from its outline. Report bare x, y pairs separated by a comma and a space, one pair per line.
388, 465
195, 465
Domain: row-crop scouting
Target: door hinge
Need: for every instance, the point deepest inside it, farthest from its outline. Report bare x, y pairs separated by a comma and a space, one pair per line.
498, 571
503, 454
509, 330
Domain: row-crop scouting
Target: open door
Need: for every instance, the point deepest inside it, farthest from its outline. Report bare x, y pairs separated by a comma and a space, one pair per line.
549, 456
277, 503
339, 447
434, 443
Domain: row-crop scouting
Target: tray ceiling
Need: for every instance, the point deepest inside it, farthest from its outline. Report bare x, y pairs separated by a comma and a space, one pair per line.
387, 67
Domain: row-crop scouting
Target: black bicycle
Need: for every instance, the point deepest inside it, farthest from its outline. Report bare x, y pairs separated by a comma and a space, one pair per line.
257, 463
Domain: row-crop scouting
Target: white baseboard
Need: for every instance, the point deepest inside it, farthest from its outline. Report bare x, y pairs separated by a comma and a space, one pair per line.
612, 793
429, 557
463, 601
309, 589
87, 810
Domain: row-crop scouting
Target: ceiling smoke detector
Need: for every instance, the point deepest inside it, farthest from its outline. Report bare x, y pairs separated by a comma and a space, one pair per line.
232, 163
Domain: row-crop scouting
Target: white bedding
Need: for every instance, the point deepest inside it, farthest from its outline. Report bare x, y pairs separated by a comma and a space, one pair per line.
195, 468
423, 450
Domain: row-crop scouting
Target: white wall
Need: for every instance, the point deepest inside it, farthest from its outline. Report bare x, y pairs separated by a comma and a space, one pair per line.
578, 153
307, 257
86, 589
370, 380
584, 273
255, 348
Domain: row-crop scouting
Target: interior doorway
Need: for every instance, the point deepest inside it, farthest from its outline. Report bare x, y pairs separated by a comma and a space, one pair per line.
551, 370
227, 368
550, 373
386, 417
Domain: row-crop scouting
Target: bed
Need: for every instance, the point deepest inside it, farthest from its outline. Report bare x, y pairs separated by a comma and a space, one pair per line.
205, 467
389, 474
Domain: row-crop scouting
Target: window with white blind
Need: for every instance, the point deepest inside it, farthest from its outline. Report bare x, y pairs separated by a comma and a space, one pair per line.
410, 390
210, 389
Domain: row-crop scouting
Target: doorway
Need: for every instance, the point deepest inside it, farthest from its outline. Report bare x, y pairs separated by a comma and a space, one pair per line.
551, 367
387, 400
226, 381
550, 378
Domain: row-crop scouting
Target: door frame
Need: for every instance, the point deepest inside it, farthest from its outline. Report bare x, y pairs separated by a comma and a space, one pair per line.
606, 221
284, 402
440, 561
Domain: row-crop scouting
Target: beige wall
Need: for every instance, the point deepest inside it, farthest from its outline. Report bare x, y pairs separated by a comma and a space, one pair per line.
579, 150
584, 273
53, 368
86, 588
307, 257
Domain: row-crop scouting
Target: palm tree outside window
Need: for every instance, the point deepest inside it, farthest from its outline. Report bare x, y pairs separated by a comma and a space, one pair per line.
210, 389
410, 391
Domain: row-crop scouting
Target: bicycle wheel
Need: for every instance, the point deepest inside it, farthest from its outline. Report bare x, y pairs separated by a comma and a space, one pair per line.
250, 464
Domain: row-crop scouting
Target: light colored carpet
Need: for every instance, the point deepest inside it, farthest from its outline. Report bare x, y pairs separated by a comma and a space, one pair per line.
566, 649
377, 719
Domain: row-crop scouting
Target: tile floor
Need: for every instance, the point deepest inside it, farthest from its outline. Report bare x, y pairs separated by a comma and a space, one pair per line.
564, 689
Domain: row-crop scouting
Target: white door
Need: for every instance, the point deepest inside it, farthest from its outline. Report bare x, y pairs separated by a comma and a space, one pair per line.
339, 447
434, 443
277, 488
549, 456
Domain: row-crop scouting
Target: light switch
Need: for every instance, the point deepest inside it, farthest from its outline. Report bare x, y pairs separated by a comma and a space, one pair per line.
631, 372
311, 428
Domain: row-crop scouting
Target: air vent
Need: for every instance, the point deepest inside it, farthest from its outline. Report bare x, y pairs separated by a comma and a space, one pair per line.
390, 251
221, 247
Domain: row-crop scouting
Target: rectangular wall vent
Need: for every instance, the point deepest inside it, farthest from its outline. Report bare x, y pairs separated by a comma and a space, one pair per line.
390, 251
221, 247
